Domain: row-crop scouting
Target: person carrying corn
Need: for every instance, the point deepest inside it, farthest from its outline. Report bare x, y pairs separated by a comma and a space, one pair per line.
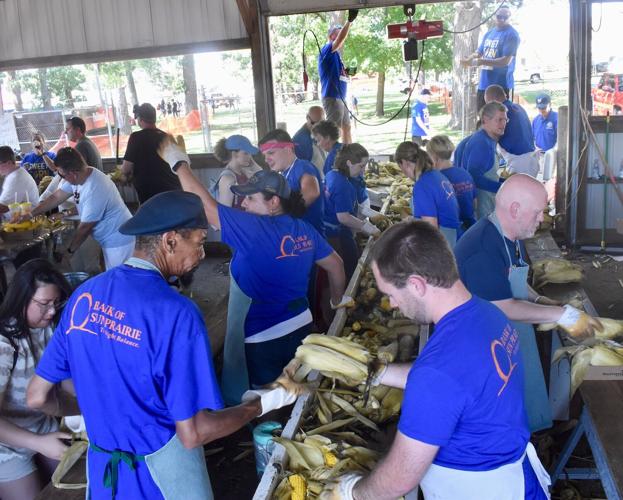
462, 432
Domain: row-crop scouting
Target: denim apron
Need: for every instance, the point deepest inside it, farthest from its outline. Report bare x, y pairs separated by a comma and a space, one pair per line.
536, 399
235, 376
486, 199
177, 471
449, 233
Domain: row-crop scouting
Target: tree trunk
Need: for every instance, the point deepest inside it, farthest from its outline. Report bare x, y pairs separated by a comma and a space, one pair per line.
16, 88
315, 84
464, 83
127, 66
190, 83
123, 117
46, 98
380, 94
69, 99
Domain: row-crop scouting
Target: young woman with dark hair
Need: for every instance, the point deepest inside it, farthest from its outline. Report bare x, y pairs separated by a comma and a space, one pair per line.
30, 445
434, 199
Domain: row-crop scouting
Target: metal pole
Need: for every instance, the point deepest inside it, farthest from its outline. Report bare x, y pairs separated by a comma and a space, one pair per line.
603, 222
104, 105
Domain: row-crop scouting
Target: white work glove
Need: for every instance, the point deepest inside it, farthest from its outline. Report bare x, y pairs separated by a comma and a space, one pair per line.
345, 302
370, 229
271, 399
379, 372
366, 210
578, 324
341, 488
173, 153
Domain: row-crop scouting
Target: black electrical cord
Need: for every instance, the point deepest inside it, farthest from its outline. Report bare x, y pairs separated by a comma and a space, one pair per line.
342, 97
485, 21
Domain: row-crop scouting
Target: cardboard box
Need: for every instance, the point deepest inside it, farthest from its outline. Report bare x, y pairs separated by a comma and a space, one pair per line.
604, 373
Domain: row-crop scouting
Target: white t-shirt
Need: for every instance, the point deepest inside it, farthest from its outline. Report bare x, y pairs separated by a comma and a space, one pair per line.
20, 183
51, 189
98, 200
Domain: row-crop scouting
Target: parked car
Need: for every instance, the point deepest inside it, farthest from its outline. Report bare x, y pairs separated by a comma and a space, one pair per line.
608, 94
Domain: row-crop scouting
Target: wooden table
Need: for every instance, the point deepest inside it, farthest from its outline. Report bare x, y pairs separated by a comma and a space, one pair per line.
9, 250
600, 420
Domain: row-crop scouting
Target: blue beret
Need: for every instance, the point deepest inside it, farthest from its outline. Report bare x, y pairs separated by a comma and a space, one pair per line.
167, 211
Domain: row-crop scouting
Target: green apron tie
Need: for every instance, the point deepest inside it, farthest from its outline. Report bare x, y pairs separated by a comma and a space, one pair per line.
111, 472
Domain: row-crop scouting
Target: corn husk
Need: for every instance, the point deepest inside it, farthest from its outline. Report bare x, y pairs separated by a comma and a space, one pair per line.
555, 271
70, 457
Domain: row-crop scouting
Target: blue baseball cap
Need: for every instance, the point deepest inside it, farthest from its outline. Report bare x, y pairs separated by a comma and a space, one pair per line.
543, 101
425, 92
240, 143
264, 181
168, 211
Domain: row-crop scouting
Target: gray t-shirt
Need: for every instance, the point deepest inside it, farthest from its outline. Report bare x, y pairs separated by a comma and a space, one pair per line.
13, 383
98, 200
91, 154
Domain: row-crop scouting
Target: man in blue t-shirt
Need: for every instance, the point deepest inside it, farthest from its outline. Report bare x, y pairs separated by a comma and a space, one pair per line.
420, 118
516, 144
545, 132
139, 356
496, 55
305, 147
334, 78
302, 176
462, 431
479, 156
492, 263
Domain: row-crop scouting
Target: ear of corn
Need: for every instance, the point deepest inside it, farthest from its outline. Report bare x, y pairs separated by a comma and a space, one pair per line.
341, 345
299, 487
327, 360
555, 271
302, 456
612, 328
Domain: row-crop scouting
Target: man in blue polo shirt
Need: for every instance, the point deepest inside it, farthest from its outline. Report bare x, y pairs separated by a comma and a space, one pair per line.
139, 357
462, 432
516, 144
480, 159
492, 262
545, 132
496, 55
333, 77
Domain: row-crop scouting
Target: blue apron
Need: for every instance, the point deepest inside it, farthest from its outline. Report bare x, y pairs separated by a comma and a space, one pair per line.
450, 234
536, 399
486, 199
235, 376
177, 471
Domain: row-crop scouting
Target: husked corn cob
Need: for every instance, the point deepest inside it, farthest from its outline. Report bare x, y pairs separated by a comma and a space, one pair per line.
299, 487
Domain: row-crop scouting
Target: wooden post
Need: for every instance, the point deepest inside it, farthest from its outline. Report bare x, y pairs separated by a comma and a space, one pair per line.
256, 24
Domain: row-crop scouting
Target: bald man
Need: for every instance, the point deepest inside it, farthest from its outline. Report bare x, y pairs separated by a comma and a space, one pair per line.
492, 263
517, 143
305, 147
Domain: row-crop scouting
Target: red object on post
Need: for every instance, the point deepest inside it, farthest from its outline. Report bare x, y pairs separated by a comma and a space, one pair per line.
420, 30
305, 80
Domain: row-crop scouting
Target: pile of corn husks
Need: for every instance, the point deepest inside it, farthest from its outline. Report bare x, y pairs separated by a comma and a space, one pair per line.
343, 428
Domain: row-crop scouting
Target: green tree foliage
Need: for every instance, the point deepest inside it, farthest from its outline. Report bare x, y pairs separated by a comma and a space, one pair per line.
63, 80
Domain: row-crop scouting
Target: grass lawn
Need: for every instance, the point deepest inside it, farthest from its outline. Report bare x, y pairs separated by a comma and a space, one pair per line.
376, 135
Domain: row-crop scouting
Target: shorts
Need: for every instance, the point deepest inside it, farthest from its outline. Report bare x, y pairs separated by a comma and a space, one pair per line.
336, 111
17, 468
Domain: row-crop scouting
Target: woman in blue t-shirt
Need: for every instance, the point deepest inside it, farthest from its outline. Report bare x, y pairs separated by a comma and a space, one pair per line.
341, 207
274, 251
440, 149
326, 135
434, 199
39, 162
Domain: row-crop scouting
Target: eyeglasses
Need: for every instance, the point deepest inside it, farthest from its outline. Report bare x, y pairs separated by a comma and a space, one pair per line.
44, 308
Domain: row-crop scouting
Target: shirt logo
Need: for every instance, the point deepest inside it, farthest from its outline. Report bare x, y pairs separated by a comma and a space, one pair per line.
292, 247
448, 189
502, 352
109, 320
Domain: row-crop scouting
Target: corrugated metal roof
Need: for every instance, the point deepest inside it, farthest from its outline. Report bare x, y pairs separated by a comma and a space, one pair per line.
42, 32
285, 7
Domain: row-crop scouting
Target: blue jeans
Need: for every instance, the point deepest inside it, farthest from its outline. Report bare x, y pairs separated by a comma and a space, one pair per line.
266, 360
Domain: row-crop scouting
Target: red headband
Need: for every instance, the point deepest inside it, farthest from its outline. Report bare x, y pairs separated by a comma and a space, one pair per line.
275, 145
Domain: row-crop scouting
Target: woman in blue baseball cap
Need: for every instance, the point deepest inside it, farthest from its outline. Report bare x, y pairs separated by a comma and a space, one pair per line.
237, 152
274, 252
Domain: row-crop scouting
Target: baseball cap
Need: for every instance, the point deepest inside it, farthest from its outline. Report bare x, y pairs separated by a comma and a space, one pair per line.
146, 112
240, 143
543, 101
168, 211
425, 92
333, 28
265, 181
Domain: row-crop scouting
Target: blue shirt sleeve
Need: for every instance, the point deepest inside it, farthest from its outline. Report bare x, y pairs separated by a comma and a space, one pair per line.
424, 200
485, 274
184, 370
54, 365
237, 227
432, 406
511, 44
